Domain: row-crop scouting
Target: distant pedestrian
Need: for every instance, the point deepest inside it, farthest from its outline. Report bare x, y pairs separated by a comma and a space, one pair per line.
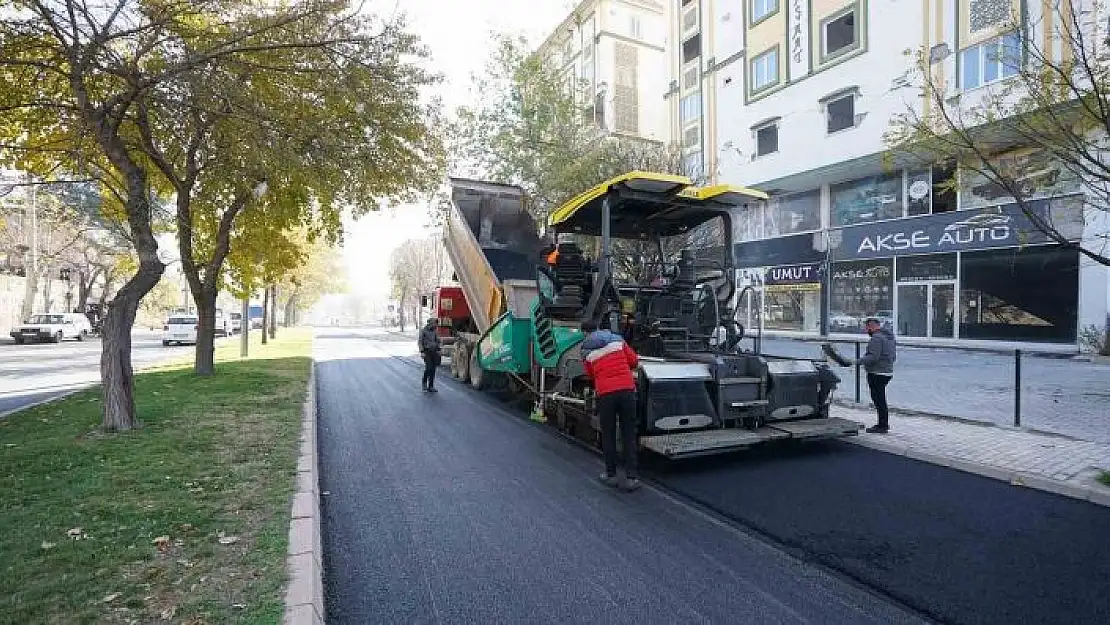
430, 349
879, 364
609, 362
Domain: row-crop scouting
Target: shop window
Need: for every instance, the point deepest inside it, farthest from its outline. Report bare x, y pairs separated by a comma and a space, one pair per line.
748, 223
1028, 294
870, 199
990, 61
931, 191
1035, 173
765, 70
792, 298
789, 214
767, 140
841, 113
692, 165
840, 34
860, 290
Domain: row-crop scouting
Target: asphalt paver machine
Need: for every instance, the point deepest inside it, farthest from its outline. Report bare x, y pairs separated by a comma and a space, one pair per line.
650, 257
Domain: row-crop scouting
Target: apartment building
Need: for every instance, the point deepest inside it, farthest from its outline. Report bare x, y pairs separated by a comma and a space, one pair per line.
614, 51
794, 97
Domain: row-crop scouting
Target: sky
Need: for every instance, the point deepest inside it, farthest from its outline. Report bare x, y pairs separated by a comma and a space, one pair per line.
457, 33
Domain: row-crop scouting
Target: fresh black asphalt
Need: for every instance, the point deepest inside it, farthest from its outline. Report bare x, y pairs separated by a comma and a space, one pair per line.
447, 509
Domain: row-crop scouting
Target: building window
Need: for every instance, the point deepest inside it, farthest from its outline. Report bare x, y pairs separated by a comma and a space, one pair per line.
1034, 171
790, 214
767, 140
762, 9
990, 61
690, 78
841, 113
690, 108
765, 70
870, 199
692, 165
691, 49
635, 28
690, 20
1020, 294
861, 289
839, 34
691, 136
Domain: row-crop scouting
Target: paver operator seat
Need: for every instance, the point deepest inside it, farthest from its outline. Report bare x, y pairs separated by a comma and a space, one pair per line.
571, 273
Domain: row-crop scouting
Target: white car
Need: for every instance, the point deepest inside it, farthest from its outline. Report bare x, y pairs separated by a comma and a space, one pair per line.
222, 327
180, 330
54, 327
236, 323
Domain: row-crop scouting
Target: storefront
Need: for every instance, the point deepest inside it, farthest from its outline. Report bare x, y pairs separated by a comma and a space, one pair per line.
987, 274
787, 295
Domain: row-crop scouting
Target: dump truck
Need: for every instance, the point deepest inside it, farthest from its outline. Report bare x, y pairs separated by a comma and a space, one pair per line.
646, 255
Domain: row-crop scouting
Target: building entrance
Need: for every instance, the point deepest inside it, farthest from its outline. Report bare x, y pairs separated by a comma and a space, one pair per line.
927, 309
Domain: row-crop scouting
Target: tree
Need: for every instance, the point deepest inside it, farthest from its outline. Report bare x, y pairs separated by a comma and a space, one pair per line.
90, 90
320, 272
416, 268
1044, 129
160, 302
325, 113
529, 127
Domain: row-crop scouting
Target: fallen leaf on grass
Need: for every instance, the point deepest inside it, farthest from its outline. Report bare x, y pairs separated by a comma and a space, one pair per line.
110, 598
161, 540
228, 540
168, 613
77, 533
46, 545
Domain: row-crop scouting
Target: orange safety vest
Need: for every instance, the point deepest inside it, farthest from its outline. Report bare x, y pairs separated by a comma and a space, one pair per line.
553, 257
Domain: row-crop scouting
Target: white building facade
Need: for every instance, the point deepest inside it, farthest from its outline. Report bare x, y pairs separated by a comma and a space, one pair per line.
794, 97
615, 51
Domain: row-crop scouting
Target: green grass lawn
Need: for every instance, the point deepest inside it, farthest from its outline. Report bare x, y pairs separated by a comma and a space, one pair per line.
182, 521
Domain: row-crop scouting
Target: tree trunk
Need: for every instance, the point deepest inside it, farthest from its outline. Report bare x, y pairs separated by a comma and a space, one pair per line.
30, 293
115, 356
273, 312
204, 362
290, 311
265, 312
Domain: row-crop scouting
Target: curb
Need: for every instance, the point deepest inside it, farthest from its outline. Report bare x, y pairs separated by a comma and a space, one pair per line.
1093, 494
304, 595
50, 400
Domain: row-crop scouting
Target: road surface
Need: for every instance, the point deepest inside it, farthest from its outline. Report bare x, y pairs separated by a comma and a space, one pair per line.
448, 509
35, 373
452, 508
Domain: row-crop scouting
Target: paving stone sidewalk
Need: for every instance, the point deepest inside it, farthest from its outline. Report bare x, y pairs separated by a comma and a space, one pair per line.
1057, 464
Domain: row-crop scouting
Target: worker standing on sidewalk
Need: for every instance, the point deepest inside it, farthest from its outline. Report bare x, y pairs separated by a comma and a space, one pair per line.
430, 350
609, 362
879, 364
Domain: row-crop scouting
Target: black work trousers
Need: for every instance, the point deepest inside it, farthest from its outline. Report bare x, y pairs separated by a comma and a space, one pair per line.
877, 384
610, 406
431, 361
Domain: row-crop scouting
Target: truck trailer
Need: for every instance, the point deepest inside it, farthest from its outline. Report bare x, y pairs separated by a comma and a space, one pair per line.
646, 255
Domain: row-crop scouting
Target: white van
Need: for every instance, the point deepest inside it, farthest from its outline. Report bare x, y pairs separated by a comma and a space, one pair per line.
52, 327
180, 330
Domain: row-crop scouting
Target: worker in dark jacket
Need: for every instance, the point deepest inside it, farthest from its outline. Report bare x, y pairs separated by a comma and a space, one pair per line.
609, 362
879, 364
430, 350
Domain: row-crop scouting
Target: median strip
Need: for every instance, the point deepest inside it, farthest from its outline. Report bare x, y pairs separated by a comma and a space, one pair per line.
183, 520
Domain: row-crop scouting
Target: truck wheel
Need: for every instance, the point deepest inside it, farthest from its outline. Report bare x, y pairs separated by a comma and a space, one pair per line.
478, 377
81, 337
19, 340
464, 363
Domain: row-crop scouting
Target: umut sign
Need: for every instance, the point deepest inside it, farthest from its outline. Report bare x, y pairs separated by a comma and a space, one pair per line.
1004, 226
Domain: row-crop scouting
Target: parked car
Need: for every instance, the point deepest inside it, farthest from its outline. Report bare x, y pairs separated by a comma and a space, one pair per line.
180, 330
236, 324
54, 327
222, 325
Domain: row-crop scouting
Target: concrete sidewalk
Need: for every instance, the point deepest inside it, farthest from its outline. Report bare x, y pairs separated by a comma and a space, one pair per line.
1057, 464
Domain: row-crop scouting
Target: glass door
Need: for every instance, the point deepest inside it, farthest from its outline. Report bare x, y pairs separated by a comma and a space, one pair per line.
942, 310
913, 310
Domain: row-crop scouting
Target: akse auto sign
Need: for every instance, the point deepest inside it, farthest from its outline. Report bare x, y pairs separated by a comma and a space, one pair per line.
1005, 226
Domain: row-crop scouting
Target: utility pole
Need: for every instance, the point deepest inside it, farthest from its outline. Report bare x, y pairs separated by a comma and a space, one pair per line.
245, 328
